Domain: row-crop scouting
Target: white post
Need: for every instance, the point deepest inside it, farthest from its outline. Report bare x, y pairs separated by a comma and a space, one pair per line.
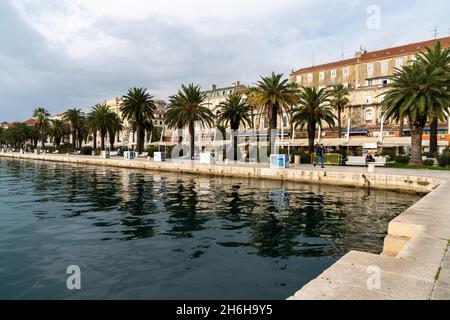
282, 132
382, 129
161, 140
348, 130
319, 134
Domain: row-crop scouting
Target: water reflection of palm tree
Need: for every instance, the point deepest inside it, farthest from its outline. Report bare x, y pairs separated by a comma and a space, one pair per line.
137, 211
182, 209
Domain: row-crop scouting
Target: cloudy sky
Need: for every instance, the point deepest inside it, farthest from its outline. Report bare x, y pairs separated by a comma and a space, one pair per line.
75, 53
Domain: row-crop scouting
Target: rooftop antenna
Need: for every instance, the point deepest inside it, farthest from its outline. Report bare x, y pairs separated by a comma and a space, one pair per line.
342, 52
312, 59
435, 32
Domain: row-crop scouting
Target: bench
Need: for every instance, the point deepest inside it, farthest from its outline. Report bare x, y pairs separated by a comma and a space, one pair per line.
361, 161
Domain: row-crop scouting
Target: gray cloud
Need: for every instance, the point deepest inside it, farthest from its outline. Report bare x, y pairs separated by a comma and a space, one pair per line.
94, 57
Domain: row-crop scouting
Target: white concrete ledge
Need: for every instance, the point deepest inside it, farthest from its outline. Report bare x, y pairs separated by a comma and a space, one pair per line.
414, 250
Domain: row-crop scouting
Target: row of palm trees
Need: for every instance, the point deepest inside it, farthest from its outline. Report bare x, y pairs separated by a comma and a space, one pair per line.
272, 96
138, 108
419, 93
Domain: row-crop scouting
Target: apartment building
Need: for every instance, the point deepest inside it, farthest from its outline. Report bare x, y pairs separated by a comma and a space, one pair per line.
367, 76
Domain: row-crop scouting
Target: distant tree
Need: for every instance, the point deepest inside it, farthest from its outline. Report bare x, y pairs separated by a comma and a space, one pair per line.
74, 117
58, 131
41, 115
339, 101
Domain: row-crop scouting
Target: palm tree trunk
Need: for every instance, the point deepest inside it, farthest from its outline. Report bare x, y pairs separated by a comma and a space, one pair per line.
416, 143
192, 137
235, 142
402, 127
74, 139
102, 141
139, 142
95, 139
339, 122
112, 140
273, 123
311, 137
43, 138
433, 136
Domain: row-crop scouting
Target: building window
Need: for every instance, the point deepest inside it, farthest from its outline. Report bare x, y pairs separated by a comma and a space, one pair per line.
322, 75
385, 66
370, 68
310, 77
266, 123
345, 72
368, 115
384, 81
369, 83
333, 73
399, 62
284, 122
299, 79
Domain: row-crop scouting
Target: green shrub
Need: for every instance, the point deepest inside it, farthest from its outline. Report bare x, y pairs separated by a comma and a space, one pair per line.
444, 159
86, 151
402, 159
429, 162
66, 148
429, 154
390, 153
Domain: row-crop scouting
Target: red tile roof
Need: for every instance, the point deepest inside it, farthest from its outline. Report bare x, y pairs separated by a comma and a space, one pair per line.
380, 54
30, 122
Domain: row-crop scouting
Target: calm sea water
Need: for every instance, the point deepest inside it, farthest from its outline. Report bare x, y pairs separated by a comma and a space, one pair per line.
145, 235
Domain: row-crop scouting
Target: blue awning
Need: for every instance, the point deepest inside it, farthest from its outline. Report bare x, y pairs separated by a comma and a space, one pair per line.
356, 131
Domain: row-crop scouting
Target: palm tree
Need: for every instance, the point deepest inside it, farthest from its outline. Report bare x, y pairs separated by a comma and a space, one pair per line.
273, 96
92, 126
339, 101
41, 115
147, 126
114, 127
73, 117
313, 109
58, 131
234, 112
33, 135
139, 106
418, 93
105, 121
187, 107
435, 58
82, 130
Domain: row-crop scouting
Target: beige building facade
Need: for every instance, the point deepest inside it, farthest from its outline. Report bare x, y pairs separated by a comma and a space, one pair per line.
367, 77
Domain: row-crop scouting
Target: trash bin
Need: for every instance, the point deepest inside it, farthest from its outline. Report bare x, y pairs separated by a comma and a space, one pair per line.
297, 159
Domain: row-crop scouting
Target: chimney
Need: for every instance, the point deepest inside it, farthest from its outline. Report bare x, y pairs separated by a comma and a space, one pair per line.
237, 84
358, 54
213, 87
